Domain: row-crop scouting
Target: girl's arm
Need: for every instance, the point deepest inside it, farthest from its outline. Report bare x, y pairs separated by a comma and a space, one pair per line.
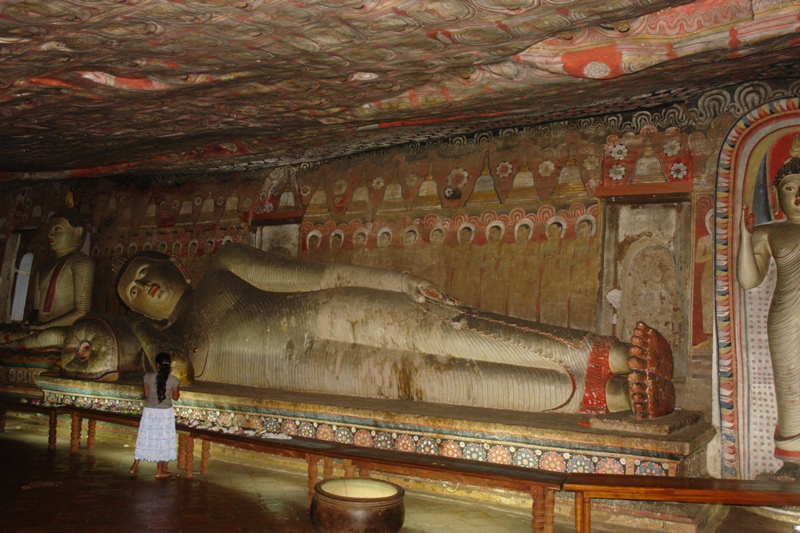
176, 392
144, 387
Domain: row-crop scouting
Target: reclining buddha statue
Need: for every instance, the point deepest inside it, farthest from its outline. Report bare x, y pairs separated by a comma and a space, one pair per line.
262, 320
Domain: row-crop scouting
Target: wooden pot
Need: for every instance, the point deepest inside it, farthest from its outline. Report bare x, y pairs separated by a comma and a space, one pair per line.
357, 505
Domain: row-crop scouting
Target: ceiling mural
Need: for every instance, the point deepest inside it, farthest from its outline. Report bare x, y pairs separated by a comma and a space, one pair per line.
100, 87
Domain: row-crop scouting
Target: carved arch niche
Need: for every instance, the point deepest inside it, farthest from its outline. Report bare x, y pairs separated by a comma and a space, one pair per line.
754, 148
645, 271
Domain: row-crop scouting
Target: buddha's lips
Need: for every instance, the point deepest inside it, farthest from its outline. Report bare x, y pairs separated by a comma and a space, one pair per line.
153, 290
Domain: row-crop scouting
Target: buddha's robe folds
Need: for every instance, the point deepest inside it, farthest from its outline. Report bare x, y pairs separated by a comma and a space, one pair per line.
381, 343
62, 293
783, 326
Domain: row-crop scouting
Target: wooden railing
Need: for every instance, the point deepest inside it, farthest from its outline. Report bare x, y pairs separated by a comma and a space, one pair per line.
675, 489
15, 403
541, 485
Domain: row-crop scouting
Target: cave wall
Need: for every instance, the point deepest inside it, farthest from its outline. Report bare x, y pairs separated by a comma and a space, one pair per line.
591, 223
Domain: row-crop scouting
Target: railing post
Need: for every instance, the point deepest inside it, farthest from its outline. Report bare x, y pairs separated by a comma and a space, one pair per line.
52, 435
91, 432
75, 433
205, 454
312, 459
537, 493
182, 450
189, 465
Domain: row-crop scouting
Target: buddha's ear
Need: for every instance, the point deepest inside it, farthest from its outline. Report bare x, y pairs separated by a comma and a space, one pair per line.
81, 235
177, 262
774, 200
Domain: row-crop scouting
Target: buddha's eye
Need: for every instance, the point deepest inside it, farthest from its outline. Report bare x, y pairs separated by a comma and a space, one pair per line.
133, 292
142, 272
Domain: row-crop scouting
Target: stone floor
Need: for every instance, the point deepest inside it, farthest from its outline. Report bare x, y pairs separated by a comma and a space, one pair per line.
92, 491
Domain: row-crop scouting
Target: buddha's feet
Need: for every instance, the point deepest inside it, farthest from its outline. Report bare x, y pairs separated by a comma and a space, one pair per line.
650, 352
650, 378
788, 472
652, 396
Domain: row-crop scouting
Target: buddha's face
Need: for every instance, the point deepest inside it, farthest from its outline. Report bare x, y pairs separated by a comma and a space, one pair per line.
62, 237
465, 235
313, 242
384, 239
409, 238
554, 232
437, 236
336, 241
494, 234
359, 240
152, 287
584, 229
523, 233
788, 193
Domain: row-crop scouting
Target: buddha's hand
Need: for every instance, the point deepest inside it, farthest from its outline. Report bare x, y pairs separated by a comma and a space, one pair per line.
421, 290
747, 223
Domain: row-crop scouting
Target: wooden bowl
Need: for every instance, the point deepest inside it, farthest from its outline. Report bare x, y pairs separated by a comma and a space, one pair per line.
357, 505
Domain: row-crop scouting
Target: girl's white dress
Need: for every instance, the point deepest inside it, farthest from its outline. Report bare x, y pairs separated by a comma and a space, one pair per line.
156, 439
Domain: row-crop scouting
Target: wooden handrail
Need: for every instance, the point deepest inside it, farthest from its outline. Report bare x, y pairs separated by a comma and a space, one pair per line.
540, 484
674, 489
15, 403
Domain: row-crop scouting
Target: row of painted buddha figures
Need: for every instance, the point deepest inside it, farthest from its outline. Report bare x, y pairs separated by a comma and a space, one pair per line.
555, 281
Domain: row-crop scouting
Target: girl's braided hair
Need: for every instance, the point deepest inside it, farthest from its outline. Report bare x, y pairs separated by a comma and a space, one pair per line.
163, 362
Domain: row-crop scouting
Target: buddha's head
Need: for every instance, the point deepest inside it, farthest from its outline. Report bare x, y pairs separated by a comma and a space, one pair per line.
465, 235
65, 232
384, 238
584, 228
494, 233
786, 188
359, 239
336, 241
409, 238
437, 236
152, 284
554, 231
523, 233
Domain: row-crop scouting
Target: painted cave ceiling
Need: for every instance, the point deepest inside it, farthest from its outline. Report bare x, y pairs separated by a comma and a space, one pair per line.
95, 87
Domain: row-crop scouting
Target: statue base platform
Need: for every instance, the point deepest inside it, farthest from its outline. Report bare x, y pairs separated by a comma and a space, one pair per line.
20, 368
671, 446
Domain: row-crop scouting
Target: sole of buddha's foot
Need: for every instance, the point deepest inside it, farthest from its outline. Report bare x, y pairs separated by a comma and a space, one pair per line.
651, 395
650, 352
788, 472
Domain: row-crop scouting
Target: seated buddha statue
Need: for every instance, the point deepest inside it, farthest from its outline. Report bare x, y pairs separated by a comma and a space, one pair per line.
62, 287
262, 320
